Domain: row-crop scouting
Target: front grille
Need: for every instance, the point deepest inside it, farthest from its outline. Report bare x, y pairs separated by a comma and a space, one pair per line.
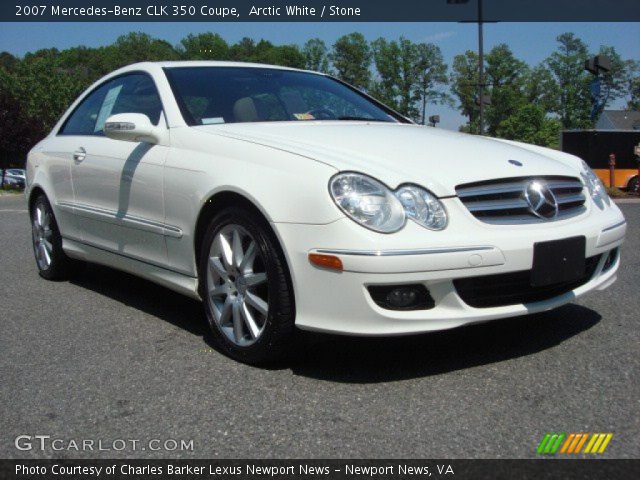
502, 201
515, 287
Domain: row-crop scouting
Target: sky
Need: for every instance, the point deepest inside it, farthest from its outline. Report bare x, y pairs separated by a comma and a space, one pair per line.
531, 42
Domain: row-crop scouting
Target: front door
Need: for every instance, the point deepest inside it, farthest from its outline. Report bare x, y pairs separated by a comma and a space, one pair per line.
118, 185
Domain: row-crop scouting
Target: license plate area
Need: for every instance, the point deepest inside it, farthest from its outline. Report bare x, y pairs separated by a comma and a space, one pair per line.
558, 261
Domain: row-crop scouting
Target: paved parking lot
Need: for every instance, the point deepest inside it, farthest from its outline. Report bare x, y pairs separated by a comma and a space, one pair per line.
108, 356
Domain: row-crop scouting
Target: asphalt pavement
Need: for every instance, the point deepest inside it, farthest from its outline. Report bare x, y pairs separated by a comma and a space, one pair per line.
109, 357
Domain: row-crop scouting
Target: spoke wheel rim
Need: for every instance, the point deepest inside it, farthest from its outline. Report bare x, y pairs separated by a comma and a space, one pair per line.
237, 286
42, 237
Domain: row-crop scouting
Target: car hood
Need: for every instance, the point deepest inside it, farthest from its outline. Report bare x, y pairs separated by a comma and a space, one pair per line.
400, 153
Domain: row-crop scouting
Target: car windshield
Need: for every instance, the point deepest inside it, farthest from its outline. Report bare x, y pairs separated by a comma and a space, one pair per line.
215, 95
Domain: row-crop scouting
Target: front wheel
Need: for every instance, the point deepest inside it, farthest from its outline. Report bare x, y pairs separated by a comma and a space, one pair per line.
246, 287
52, 262
632, 186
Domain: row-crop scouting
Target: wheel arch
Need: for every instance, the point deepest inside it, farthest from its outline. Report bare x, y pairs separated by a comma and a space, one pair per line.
34, 192
227, 198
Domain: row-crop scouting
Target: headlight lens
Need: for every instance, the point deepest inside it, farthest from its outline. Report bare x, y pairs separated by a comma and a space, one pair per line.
422, 207
373, 205
594, 184
368, 202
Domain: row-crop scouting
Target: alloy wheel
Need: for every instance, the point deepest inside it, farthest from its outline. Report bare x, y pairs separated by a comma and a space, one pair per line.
42, 236
237, 287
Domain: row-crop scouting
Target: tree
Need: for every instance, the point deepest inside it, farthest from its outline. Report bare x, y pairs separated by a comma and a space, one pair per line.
573, 98
409, 75
541, 88
634, 92
505, 77
315, 55
464, 85
351, 58
530, 124
432, 77
137, 47
204, 46
387, 86
243, 51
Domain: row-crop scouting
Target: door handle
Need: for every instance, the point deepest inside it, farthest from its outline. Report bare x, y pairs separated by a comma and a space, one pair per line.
79, 154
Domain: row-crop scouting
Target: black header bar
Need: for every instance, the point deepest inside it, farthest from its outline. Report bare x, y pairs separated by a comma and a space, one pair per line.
319, 11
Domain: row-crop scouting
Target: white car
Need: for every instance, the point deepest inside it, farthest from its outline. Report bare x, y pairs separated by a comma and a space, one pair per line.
284, 198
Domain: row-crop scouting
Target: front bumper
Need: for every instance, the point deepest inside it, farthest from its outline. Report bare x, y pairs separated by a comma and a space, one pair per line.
339, 302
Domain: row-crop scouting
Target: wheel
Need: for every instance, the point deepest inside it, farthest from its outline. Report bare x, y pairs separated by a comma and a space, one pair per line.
632, 186
52, 262
246, 287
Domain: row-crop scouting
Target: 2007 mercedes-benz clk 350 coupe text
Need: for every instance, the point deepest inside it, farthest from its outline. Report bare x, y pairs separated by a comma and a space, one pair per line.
284, 198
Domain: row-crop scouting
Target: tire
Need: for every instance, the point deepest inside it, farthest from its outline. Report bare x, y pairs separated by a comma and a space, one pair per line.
52, 262
632, 186
246, 287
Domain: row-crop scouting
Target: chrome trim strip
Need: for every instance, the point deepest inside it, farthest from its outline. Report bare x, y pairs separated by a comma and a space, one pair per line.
612, 227
131, 221
135, 258
394, 253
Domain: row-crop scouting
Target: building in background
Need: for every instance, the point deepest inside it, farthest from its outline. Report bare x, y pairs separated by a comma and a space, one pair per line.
617, 132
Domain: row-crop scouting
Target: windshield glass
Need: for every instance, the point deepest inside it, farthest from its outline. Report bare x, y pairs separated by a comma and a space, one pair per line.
214, 95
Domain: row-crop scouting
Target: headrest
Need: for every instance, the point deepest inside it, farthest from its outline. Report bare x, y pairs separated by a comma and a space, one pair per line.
244, 110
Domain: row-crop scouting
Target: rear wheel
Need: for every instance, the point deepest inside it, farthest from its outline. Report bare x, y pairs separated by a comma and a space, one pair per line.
246, 287
632, 186
52, 262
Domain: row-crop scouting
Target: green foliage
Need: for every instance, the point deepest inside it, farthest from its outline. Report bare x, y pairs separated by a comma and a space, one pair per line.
573, 101
506, 78
351, 58
410, 75
316, 55
204, 46
530, 124
464, 85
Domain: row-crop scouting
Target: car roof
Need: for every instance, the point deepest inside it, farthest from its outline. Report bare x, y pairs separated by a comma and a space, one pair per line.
211, 63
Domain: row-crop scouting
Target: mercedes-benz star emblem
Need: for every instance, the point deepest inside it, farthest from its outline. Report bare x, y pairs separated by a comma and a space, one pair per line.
541, 200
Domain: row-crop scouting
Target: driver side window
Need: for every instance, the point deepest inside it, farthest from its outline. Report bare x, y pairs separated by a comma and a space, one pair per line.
133, 93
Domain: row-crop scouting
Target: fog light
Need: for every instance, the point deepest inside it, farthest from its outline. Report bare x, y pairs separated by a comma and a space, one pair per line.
402, 297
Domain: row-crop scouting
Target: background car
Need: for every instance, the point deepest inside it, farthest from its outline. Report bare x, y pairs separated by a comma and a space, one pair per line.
14, 178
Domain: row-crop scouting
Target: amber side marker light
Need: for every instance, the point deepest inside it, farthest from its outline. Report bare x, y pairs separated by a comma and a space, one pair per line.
326, 261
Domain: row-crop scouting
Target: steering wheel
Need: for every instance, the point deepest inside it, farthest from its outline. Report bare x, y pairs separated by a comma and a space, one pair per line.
323, 113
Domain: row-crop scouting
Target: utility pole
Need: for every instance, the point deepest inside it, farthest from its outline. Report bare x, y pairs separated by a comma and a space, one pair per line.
481, 98
481, 69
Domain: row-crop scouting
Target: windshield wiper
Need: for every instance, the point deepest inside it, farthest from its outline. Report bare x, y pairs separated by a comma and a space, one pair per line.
366, 119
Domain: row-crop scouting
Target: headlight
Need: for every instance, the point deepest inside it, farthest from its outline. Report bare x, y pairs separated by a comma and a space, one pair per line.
594, 184
422, 207
373, 205
368, 202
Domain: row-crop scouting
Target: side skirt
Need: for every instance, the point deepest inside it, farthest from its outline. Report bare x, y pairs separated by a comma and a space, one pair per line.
175, 281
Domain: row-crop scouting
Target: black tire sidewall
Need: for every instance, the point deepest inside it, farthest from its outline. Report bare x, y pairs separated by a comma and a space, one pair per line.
274, 340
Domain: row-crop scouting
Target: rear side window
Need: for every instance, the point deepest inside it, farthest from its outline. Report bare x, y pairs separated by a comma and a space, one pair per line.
134, 93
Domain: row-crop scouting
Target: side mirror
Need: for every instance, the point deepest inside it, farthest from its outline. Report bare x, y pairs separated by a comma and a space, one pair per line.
132, 127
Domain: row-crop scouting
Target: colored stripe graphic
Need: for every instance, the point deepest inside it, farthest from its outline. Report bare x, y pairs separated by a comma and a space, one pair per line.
581, 443
572, 443
551, 443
